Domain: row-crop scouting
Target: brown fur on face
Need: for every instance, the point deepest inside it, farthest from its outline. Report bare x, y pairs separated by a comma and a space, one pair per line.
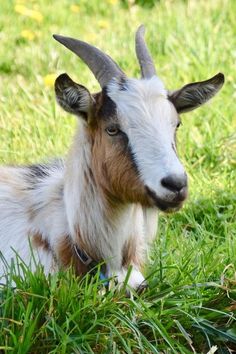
112, 162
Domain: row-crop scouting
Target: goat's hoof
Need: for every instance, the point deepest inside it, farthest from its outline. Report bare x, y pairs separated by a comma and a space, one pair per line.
137, 291
135, 282
142, 288
135, 279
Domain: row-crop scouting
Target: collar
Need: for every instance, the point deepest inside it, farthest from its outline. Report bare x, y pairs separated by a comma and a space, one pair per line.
84, 257
91, 264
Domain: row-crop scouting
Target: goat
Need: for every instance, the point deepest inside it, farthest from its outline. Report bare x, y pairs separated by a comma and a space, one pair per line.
101, 202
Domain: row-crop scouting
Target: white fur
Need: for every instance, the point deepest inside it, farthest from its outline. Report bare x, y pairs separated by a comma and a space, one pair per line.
135, 278
149, 119
46, 210
85, 209
25, 211
63, 201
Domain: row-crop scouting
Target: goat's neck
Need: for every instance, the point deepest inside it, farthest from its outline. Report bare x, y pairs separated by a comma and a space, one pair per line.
94, 221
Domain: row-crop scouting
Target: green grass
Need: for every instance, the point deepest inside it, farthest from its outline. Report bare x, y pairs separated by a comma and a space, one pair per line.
190, 305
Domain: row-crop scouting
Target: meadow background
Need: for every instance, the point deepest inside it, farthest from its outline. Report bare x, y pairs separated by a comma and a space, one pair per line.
190, 306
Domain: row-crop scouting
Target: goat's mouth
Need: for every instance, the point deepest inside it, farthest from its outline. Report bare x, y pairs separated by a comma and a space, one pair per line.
166, 205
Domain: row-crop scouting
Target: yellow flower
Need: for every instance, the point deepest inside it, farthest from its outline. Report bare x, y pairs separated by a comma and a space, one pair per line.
91, 37
49, 80
27, 34
103, 24
75, 8
112, 2
35, 15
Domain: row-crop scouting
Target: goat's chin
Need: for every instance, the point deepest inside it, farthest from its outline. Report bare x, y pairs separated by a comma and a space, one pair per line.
172, 209
167, 207
162, 204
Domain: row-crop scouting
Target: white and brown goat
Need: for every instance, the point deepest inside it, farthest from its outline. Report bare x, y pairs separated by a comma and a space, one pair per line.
101, 202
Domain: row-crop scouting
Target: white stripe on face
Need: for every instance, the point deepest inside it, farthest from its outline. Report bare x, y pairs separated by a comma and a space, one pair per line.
149, 120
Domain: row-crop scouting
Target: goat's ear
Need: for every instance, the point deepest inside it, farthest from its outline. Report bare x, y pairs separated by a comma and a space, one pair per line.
195, 94
72, 97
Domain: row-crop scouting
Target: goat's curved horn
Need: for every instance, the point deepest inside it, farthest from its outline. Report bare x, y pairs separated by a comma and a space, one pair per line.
101, 65
145, 60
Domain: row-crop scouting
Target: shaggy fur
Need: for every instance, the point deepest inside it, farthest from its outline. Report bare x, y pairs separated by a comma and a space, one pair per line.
122, 167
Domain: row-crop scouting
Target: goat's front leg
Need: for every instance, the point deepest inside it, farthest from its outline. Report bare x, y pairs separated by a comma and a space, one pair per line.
135, 281
132, 255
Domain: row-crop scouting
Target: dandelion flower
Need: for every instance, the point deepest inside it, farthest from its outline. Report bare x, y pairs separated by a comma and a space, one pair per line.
75, 8
49, 80
91, 37
112, 2
27, 34
103, 24
35, 15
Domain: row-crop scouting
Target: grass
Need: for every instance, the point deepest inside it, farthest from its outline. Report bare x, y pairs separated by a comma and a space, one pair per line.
190, 305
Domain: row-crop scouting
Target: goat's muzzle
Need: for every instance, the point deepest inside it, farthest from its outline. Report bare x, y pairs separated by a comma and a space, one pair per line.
171, 204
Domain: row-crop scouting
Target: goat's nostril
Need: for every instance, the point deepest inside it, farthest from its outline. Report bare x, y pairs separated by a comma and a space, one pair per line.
174, 183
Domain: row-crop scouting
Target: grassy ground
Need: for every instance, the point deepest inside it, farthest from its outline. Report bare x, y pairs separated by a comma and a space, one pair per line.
191, 302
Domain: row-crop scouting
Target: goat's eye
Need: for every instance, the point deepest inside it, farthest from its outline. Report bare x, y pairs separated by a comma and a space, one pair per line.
112, 131
178, 124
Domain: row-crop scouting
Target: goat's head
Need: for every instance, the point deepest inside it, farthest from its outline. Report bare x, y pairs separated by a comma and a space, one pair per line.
132, 125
